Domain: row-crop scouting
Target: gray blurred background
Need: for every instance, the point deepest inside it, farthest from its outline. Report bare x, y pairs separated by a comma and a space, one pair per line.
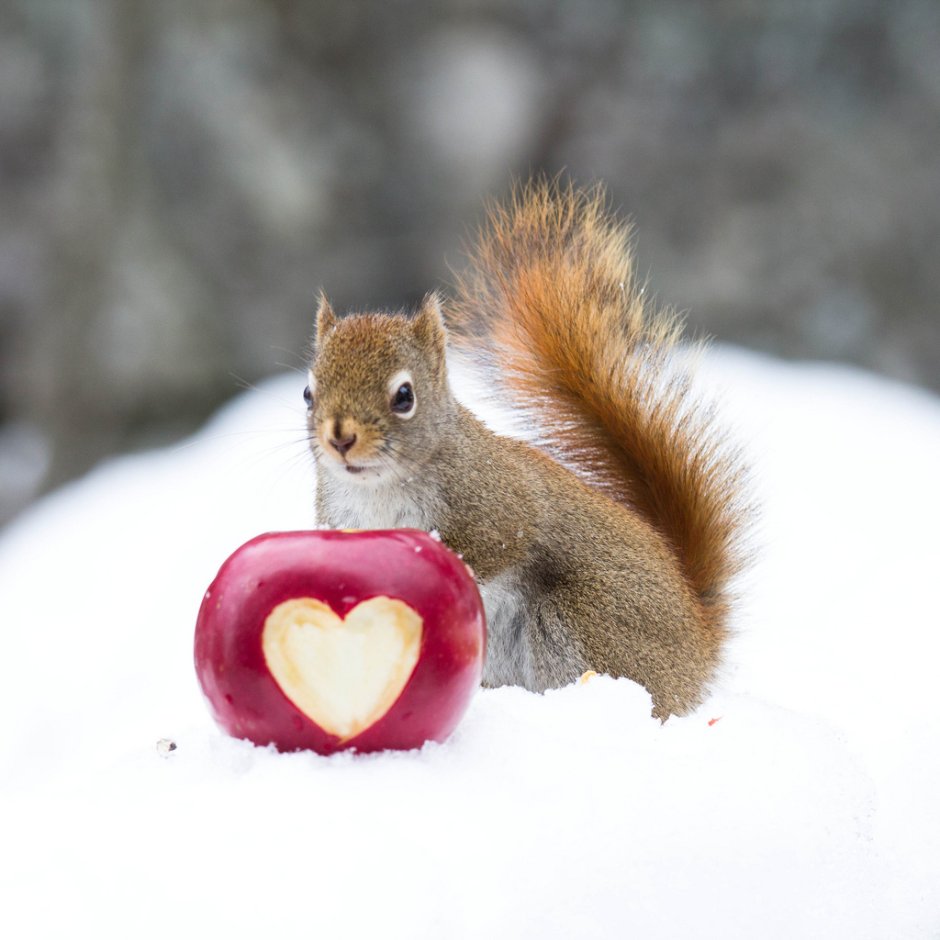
179, 177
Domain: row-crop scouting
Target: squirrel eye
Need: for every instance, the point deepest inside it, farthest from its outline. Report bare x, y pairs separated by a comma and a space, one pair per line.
308, 396
403, 401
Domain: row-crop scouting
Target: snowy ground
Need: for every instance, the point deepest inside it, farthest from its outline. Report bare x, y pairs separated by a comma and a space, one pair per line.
810, 809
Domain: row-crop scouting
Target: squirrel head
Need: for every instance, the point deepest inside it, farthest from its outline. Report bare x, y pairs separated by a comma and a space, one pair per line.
378, 397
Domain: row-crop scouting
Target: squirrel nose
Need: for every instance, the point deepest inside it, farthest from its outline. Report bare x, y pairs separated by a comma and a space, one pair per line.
342, 444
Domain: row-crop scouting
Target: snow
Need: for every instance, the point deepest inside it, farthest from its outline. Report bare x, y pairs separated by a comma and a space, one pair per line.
799, 801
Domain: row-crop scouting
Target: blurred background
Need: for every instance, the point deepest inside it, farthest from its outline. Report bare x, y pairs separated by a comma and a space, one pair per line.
179, 177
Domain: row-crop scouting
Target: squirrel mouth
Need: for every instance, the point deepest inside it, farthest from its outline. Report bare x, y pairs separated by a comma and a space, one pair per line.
352, 468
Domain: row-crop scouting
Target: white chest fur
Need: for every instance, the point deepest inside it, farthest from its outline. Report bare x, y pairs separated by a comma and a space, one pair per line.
355, 505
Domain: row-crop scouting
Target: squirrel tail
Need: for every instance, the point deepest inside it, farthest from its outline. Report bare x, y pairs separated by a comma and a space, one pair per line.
550, 299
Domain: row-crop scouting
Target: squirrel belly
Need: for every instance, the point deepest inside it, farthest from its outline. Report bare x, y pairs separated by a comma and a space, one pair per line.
610, 544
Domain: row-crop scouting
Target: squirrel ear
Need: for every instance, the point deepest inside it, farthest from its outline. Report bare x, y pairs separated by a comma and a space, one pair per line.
428, 323
326, 318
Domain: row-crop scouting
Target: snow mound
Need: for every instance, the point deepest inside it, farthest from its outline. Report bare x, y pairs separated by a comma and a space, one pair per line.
799, 801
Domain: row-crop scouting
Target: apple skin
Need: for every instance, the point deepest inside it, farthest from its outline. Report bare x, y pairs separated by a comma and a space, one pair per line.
341, 569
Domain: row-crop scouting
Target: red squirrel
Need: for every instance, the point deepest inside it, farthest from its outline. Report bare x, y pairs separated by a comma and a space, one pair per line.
606, 546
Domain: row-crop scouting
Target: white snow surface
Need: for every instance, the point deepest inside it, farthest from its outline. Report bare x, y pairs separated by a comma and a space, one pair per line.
809, 809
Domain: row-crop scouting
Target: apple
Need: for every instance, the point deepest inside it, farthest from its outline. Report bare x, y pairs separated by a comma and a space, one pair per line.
327, 640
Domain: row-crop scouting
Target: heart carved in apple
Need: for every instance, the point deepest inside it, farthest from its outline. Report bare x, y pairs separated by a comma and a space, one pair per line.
330, 640
344, 673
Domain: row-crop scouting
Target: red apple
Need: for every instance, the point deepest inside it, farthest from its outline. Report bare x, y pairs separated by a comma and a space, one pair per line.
329, 640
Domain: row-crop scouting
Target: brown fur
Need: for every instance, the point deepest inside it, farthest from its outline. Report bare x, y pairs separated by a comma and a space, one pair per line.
623, 571
551, 295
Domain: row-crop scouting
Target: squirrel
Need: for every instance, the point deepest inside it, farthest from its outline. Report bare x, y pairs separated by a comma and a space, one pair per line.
608, 545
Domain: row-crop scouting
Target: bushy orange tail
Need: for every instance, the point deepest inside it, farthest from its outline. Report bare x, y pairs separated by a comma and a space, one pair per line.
550, 297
